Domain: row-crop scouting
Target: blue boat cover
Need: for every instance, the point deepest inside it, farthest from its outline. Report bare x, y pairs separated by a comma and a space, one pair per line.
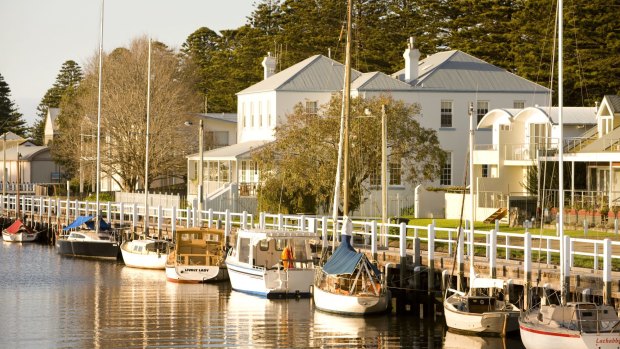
88, 220
345, 260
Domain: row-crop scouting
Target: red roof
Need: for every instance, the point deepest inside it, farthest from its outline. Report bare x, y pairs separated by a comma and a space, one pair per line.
17, 226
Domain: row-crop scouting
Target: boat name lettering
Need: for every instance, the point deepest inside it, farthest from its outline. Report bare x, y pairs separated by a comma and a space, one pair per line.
199, 270
608, 341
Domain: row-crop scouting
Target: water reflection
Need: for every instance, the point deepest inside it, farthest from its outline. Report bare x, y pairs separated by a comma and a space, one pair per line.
79, 303
459, 341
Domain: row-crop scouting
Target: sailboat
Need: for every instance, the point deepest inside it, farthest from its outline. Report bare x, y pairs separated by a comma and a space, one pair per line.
568, 325
19, 232
348, 283
146, 253
93, 237
482, 309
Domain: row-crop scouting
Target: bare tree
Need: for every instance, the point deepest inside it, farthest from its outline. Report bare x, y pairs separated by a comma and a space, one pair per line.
123, 116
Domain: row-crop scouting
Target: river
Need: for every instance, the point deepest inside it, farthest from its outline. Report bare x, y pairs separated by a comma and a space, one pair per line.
51, 301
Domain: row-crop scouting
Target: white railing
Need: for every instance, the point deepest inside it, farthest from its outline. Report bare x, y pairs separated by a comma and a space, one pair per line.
131, 216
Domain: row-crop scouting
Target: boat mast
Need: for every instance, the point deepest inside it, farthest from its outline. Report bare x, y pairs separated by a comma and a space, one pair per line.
99, 119
343, 145
146, 164
471, 190
563, 247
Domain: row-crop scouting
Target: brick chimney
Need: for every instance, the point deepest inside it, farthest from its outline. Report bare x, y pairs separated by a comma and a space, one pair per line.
412, 57
269, 66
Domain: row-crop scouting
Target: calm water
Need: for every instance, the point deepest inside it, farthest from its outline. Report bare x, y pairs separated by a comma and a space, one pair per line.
49, 301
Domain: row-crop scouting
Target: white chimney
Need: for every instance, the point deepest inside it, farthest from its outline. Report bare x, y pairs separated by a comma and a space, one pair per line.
269, 66
412, 57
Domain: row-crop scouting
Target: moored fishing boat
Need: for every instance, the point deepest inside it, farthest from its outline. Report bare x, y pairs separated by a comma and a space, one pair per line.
19, 232
198, 256
145, 253
481, 310
273, 264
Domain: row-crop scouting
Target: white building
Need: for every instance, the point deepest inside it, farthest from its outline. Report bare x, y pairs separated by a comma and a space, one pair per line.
443, 84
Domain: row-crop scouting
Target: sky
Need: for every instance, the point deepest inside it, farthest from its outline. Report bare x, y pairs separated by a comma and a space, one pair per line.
38, 36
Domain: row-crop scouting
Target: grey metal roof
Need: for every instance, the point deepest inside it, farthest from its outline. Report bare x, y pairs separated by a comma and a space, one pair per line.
231, 152
377, 81
614, 103
458, 71
316, 73
228, 117
570, 115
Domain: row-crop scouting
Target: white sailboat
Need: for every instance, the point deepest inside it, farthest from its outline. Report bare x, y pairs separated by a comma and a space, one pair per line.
19, 232
146, 253
568, 325
98, 239
348, 283
480, 310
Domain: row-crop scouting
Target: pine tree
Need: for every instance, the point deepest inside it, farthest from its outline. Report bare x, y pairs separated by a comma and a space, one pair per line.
67, 81
10, 118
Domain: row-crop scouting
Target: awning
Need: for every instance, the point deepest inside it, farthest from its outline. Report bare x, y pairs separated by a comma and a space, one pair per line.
88, 220
16, 226
344, 260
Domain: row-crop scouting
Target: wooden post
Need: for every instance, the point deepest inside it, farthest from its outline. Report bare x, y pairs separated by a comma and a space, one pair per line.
373, 240
160, 221
527, 266
210, 217
109, 213
280, 221
403, 253
173, 222
134, 218
122, 217
227, 226
244, 220
324, 231
607, 271
188, 217
492, 249
431, 263
196, 220
302, 223
460, 260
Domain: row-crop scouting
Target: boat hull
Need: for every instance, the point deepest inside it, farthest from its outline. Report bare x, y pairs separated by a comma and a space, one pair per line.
535, 336
350, 305
491, 323
19, 237
89, 249
152, 260
194, 274
271, 283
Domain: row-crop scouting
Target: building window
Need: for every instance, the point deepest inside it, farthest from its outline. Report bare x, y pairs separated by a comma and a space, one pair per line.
243, 115
395, 173
251, 114
260, 114
518, 104
446, 113
482, 109
217, 139
375, 177
312, 107
446, 171
485, 171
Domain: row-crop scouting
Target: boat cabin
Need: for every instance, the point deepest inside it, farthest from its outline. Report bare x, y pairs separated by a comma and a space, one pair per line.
274, 249
585, 317
197, 246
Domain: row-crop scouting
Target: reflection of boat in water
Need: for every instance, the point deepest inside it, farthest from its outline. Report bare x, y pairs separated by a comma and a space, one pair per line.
330, 324
272, 263
146, 254
142, 275
459, 341
198, 256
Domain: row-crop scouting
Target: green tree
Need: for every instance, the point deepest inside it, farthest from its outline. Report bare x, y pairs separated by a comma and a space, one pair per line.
10, 118
123, 116
66, 84
298, 168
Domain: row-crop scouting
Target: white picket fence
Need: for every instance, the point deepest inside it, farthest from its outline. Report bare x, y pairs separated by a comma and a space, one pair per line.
131, 216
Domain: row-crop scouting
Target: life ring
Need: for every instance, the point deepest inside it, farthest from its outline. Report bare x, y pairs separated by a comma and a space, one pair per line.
287, 258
